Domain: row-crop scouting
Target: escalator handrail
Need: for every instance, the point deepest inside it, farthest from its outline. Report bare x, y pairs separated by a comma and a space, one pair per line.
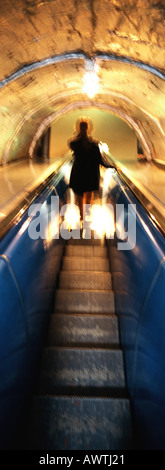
27, 197
153, 212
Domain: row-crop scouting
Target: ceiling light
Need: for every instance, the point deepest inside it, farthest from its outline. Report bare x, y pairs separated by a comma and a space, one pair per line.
91, 79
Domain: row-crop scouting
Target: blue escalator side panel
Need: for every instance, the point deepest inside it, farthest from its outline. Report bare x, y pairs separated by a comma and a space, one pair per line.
149, 367
138, 281
28, 273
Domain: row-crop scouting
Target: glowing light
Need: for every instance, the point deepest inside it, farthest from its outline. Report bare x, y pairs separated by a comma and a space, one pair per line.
103, 147
66, 172
21, 211
91, 83
72, 217
108, 182
103, 221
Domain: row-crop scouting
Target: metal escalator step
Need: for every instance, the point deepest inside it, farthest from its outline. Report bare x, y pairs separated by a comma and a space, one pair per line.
64, 423
82, 250
84, 301
87, 280
85, 264
73, 329
69, 368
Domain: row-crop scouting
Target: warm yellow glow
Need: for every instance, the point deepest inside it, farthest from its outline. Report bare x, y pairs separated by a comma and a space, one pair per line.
103, 147
72, 217
102, 221
101, 217
108, 182
91, 84
21, 211
66, 172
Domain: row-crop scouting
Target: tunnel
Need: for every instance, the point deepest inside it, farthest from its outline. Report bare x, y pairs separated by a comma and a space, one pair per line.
82, 307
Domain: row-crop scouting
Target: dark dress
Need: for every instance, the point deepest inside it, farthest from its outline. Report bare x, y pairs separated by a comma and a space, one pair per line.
85, 174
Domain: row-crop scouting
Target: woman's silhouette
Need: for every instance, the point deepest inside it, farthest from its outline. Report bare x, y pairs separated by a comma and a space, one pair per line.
85, 174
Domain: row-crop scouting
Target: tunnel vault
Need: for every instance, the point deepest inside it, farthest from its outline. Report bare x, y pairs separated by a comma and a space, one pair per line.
46, 49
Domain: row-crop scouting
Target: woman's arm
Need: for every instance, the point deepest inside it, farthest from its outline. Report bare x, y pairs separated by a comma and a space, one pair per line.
104, 159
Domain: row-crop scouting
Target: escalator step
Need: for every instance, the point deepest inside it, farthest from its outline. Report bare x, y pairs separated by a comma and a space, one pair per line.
83, 250
84, 301
86, 242
80, 424
83, 329
89, 280
69, 368
85, 264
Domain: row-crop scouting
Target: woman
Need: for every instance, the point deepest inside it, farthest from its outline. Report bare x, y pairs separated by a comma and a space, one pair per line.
85, 174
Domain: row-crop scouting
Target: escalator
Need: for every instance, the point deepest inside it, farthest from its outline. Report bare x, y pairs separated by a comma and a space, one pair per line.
81, 401
96, 380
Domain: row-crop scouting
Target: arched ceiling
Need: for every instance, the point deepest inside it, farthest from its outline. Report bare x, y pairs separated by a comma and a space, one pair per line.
45, 47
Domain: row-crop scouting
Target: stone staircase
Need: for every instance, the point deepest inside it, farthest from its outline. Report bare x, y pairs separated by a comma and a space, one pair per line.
81, 401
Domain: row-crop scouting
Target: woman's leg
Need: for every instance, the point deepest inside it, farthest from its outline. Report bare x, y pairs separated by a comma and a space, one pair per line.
79, 202
88, 197
82, 199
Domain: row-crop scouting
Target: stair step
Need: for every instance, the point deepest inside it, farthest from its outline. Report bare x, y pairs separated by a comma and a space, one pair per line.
87, 280
80, 263
61, 423
83, 329
84, 250
84, 301
86, 242
68, 368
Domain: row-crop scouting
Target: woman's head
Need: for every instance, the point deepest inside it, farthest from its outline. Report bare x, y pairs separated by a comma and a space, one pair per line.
83, 127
